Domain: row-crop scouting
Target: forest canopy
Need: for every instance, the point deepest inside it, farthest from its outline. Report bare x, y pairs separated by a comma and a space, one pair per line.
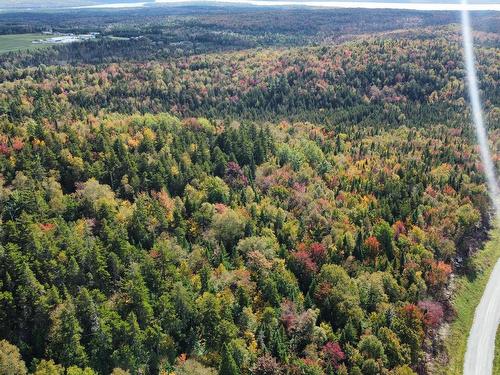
265, 209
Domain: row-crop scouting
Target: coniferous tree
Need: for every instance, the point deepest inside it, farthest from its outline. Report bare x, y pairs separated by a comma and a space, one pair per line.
228, 365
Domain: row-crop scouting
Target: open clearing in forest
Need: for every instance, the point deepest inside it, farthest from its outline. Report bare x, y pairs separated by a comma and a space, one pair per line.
17, 42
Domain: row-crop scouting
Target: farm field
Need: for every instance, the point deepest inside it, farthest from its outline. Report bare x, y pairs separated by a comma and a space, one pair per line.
17, 42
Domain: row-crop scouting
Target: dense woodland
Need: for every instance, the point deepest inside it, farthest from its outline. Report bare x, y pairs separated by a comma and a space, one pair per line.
290, 208
164, 33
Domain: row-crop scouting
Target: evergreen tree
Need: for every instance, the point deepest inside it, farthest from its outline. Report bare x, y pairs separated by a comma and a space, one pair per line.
64, 337
228, 365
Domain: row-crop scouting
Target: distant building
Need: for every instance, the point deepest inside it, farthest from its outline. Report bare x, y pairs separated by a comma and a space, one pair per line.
68, 38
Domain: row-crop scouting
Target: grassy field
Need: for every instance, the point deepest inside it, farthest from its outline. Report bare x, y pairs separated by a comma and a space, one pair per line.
496, 363
467, 296
16, 42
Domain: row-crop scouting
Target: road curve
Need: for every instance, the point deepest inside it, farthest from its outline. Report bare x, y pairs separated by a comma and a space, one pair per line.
481, 342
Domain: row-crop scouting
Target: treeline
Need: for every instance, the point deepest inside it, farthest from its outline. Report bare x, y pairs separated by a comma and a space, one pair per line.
239, 19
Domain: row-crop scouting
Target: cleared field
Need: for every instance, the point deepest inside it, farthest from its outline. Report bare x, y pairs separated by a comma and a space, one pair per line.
468, 293
16, 42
